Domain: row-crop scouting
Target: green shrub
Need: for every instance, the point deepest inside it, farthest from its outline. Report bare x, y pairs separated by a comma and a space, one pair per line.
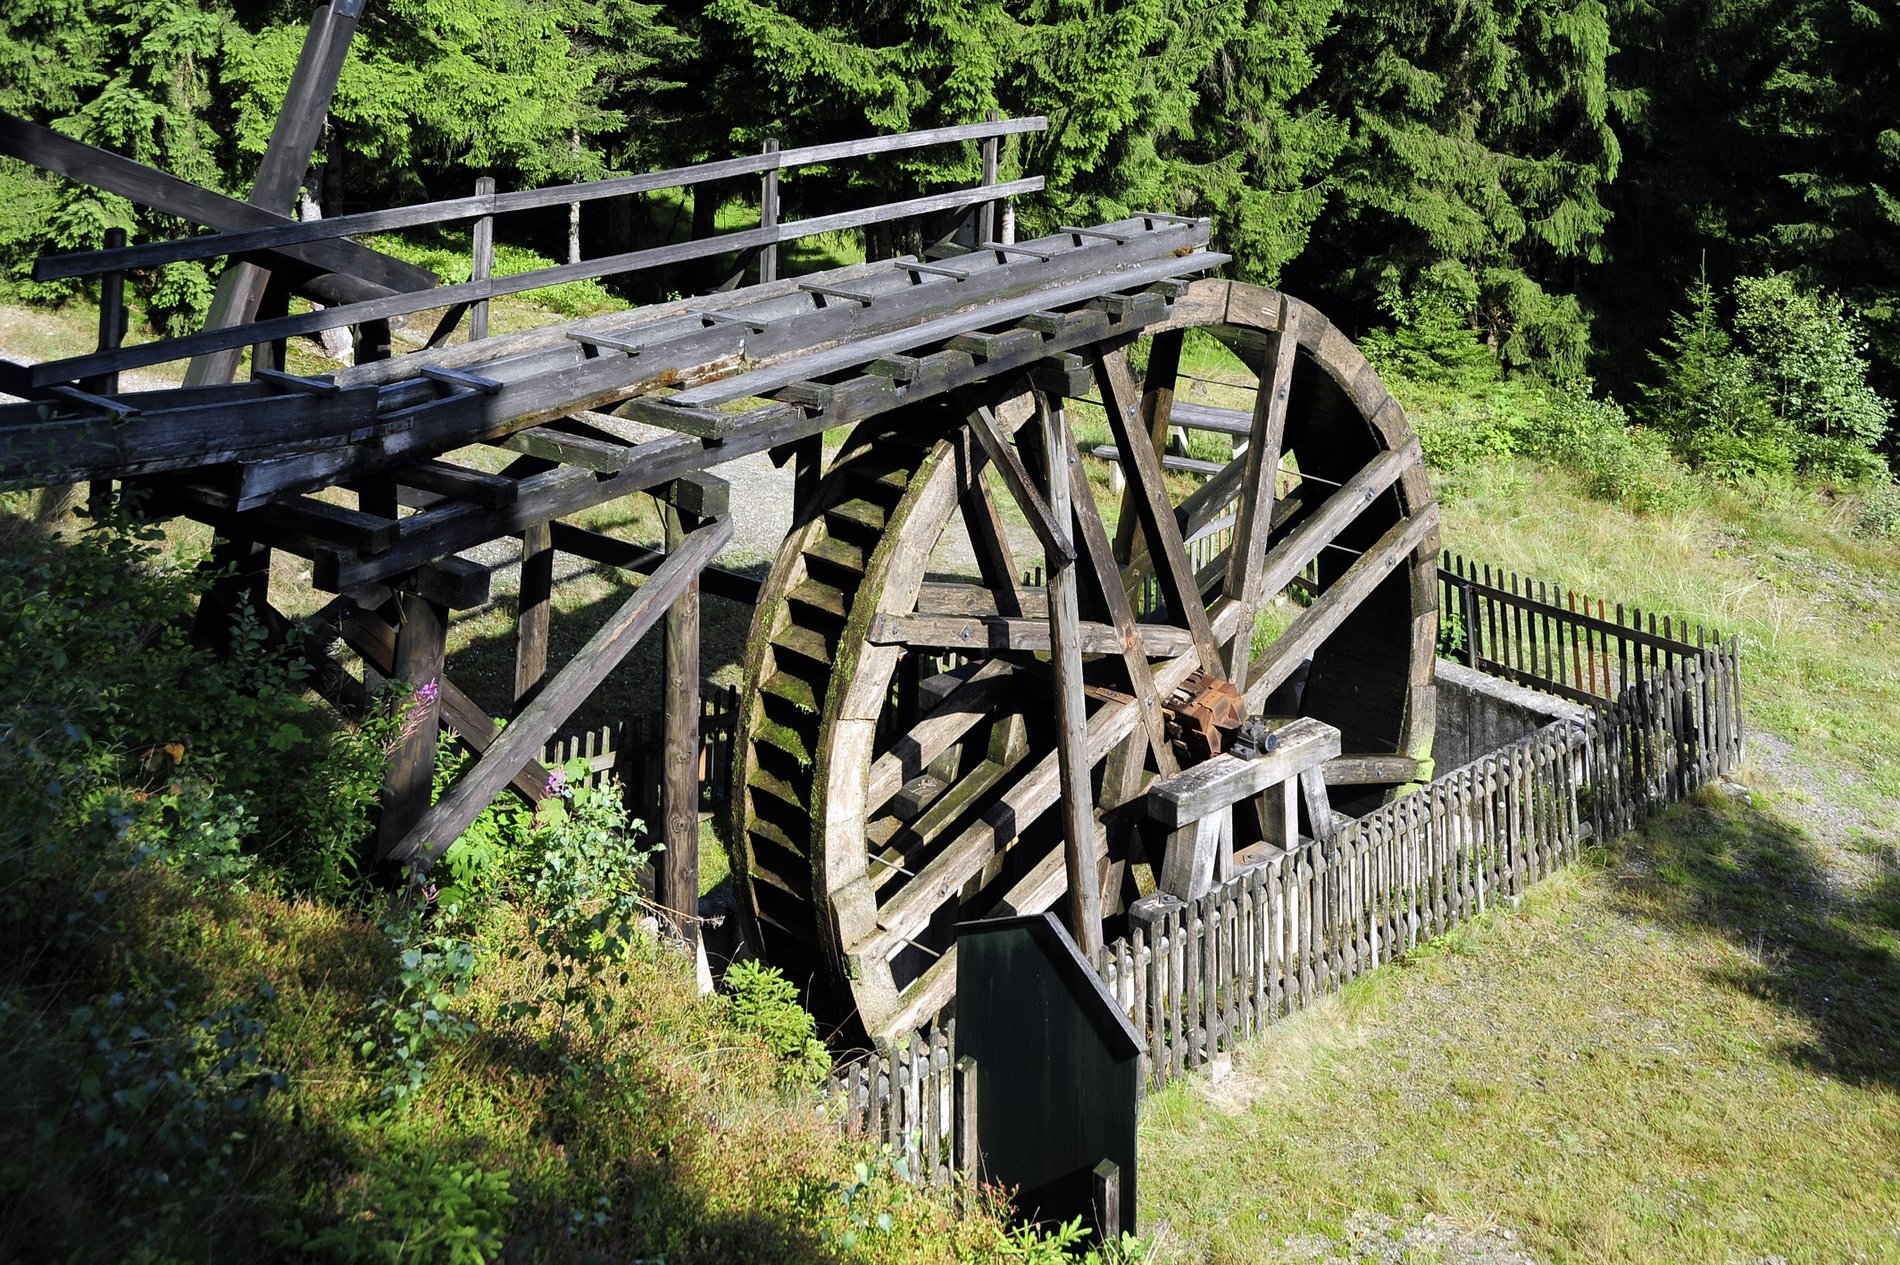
1879, 514
1785, 392
760, 999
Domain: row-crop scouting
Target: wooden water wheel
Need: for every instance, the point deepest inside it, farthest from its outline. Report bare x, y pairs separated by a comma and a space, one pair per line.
898, 751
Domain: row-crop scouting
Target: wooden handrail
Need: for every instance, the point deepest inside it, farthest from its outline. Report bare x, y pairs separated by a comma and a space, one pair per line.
276, 237
56, 371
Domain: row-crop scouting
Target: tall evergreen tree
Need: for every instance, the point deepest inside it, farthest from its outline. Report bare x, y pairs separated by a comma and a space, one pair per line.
1481, 137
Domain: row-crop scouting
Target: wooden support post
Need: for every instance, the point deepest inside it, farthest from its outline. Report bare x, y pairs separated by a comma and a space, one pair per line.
768, 215
986, 212
968, 1155
481, 261
112, 325
286, 159
1107, 1187
1078, 817
421, 642
808, 467
241, 570
677, 878
532, 612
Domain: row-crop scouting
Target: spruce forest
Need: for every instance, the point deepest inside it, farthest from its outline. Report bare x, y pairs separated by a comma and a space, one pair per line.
1632, 267
1574, 187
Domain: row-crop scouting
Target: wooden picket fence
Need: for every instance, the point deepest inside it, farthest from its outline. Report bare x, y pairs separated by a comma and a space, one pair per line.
631, 751
1281, 935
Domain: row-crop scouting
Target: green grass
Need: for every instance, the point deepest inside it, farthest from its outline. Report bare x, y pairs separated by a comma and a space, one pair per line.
1683, 1050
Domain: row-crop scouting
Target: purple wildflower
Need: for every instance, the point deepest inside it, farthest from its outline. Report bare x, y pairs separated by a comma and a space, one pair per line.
557, 784
428, 691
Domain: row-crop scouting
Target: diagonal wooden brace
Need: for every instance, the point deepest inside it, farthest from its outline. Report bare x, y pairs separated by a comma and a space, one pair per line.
522, 740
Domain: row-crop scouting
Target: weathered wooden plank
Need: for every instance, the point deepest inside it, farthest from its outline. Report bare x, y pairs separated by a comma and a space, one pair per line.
1195, 792
1028, 633
1362, 769
425, 841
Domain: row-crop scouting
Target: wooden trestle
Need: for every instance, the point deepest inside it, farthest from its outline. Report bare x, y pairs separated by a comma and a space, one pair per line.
723, 375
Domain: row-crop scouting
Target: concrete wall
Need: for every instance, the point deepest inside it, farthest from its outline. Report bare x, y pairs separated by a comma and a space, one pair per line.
1478, 713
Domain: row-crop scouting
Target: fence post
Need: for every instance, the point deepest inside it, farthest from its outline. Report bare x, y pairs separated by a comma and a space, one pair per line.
768, 215
1468, 600
111, 335
986, 213
481, 261
966, 1157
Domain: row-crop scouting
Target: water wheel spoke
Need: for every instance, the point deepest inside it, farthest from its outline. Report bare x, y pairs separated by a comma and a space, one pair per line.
1108, 584
1117, 385
995, 560
1340, 599
1157, 412
1246, 581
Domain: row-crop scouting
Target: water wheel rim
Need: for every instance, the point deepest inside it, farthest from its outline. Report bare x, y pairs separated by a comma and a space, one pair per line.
845, 907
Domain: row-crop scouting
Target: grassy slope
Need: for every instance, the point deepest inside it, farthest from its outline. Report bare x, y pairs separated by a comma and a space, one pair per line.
1683, 1052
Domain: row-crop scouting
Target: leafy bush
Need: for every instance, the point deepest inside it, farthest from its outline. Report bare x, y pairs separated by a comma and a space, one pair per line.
1626, 465
1880, 510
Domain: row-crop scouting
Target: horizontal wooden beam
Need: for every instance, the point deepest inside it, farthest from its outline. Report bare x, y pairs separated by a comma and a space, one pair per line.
998, 632
1376, 770
523, 739
595, 547
1225, 780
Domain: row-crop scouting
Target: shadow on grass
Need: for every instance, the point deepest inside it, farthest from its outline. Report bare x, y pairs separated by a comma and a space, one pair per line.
1812, 942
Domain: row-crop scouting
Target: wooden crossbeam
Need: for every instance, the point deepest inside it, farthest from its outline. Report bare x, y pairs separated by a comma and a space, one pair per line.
1053, 538
425, 842
1030, 635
